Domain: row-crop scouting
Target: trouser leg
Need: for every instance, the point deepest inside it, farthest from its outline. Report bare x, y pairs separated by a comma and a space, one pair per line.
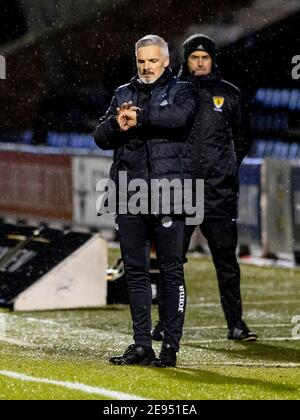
134, 232
188, 232
169, 243
222, 239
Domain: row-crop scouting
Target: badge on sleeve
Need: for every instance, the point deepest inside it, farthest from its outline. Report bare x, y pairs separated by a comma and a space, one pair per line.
218, 102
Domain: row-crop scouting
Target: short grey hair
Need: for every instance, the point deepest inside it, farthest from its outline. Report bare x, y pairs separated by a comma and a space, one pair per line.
153, 40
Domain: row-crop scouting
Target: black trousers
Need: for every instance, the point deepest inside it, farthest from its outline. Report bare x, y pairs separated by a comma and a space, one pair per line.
136, 234
222, 238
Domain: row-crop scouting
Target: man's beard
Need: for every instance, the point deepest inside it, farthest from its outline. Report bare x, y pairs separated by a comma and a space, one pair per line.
147, 81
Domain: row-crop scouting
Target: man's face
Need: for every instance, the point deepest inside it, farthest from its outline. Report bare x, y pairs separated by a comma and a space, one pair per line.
151, 63
200, 63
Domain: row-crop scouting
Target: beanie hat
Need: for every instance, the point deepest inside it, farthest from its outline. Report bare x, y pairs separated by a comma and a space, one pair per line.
199, 42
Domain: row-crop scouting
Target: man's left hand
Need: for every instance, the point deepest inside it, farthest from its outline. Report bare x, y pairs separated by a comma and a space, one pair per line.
130, 116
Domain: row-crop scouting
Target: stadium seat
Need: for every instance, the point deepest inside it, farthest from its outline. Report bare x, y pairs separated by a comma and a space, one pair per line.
276, 98
285, 97
293, 101
260, 96
294, 151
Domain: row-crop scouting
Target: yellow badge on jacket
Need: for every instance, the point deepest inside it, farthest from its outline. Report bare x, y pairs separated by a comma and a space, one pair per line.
218, 102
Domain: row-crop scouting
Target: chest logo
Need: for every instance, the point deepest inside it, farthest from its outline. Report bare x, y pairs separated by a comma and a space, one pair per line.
219, 102
164, 102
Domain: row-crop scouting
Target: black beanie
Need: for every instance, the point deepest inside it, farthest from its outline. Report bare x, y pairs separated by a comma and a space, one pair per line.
199, 42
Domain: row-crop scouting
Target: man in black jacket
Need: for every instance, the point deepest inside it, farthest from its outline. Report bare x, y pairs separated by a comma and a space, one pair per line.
147, 125
220, 142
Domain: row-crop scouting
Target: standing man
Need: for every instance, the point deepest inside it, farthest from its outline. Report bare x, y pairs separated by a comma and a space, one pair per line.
147, 125
220, 142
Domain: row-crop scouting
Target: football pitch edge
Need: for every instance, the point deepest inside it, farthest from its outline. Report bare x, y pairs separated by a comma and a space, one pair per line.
64, 354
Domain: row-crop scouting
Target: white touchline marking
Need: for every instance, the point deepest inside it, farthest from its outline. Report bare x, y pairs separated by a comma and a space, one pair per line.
100, 334
70, 385
223, 340
41, 321
66, 327
203, 305
271, 302
218, 327
239, 364
18, 342
257, 303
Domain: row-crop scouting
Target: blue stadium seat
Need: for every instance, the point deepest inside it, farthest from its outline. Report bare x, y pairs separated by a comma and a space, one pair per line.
269, 123
268, 98
294, 151
260, 96
284, 123
280, 122
276, 98
26, 137
72, 140
269, 148
281, 150
261, 150
82, 141
57, 139
284, 99
298, 103
260, 124
293, 101
258, 148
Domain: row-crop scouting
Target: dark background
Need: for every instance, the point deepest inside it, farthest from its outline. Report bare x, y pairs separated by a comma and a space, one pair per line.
63, 63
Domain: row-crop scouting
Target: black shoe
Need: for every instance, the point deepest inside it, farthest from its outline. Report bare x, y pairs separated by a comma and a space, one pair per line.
167, 357
135, 355
241, 332
157, 333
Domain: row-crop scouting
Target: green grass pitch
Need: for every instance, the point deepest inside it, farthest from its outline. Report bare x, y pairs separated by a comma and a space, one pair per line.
64, 354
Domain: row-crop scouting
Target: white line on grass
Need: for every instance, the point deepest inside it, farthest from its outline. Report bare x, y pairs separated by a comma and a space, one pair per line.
18, 342
239, 364
99, 334
224, 340
219, 327
70, 385
257, 303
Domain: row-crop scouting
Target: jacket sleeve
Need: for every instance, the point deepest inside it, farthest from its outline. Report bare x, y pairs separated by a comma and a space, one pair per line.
241, 129
176, 115
107, 134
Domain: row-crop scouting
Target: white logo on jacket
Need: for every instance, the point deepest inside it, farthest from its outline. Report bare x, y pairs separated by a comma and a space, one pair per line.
164, 103
167, 222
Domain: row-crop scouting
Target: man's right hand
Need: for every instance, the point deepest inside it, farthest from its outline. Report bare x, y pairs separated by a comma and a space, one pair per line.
124, 122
